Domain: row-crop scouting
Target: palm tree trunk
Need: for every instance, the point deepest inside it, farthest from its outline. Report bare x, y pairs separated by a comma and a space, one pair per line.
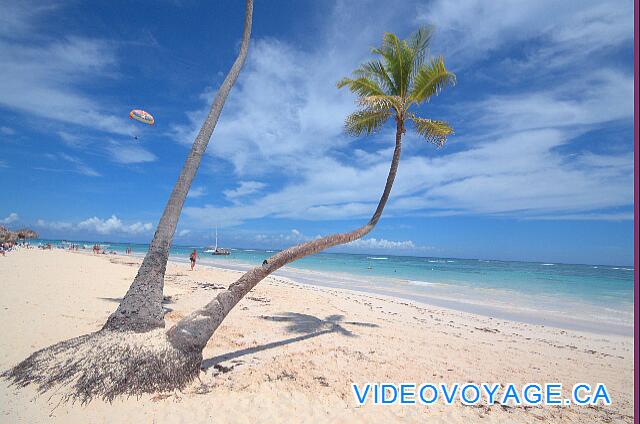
141, 308
193, 331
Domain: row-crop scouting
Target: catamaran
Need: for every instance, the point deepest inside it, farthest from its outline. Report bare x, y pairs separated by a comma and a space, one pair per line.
217, 250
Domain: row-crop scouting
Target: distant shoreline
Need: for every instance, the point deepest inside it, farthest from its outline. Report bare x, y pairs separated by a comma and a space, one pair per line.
331, 251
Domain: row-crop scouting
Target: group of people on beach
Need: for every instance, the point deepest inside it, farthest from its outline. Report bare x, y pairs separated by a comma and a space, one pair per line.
97, 249
9, 246
6, 247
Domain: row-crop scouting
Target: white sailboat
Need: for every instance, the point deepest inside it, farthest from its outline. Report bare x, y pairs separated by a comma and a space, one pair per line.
217, 250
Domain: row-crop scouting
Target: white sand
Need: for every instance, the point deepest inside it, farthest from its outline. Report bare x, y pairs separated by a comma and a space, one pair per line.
287, 361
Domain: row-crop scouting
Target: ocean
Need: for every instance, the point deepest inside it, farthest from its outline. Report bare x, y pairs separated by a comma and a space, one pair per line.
595, 298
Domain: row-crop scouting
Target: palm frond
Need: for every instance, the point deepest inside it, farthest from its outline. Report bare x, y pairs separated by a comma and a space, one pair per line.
379, 103
397, 78
397, 60
366, 121
376, 70
431, 79
404, 61
434, 131
421, 39
419, 44
362, 86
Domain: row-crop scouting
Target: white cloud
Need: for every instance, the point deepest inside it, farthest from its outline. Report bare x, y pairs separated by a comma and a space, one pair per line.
129, 153
183, 233
601, 97
54, 225
7, 131
374, 243
195, 192
112, 225
45, 78
613, 216
283, 111
244, 189
12, 217
18, 18
95, 225
68, 163
518, 174
470, 30
293, 236
122, 152
71, 140
79, 165
515, 155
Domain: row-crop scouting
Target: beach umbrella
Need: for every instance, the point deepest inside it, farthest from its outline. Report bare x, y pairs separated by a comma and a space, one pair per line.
26, 233
4, 234
7, 235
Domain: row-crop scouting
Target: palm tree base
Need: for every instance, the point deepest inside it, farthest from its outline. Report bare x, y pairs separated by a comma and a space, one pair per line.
107, 364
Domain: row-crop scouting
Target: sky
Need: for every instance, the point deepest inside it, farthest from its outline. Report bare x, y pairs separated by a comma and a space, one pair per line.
540, 167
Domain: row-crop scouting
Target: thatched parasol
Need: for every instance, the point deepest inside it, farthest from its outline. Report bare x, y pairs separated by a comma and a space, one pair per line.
22, 234
6, 235
26, 233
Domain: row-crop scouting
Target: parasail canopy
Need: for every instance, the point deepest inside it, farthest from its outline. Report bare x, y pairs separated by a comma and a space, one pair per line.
142, 116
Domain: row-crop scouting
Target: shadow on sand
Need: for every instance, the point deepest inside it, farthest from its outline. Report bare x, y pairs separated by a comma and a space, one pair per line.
307, 326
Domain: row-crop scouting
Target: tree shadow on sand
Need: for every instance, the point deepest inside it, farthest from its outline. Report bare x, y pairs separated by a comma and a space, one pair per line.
307, 326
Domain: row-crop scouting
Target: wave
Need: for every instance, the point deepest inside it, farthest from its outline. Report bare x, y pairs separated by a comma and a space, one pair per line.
249, 250
381, 258
102, 246
424, 283
547, 264
624, 269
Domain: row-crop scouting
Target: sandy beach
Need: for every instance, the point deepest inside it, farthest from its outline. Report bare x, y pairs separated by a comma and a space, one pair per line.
290, 352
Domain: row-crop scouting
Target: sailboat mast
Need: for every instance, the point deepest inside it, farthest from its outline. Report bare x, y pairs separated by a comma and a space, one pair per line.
216, 237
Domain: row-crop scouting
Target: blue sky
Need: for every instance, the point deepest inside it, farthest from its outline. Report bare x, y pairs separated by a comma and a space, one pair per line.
540, 167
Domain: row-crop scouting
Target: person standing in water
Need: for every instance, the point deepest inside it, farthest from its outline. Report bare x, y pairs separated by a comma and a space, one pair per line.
192, 258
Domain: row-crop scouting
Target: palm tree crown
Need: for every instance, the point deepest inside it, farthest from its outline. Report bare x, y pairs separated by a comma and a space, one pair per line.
400, 77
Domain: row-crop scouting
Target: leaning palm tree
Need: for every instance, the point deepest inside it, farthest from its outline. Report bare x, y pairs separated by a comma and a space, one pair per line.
400, 77
125, 356
141, 308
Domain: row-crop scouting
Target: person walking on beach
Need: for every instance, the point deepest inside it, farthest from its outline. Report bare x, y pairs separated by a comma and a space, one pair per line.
192, 258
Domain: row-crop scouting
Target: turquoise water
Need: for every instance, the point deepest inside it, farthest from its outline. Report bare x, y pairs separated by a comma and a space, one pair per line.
581, 296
